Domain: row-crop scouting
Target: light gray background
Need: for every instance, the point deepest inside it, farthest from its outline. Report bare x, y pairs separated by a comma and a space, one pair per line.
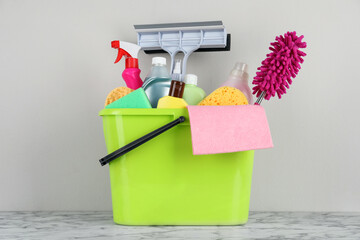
56, 69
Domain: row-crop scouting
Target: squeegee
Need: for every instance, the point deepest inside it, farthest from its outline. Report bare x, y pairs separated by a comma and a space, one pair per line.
183, 37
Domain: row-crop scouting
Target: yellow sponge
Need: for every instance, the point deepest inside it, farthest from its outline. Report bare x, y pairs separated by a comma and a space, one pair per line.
225, 96
117, 93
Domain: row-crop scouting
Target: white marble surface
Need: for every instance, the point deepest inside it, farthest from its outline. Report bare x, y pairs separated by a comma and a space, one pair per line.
99, 225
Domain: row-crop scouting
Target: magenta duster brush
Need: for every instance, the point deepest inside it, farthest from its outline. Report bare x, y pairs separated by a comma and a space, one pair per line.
279, 67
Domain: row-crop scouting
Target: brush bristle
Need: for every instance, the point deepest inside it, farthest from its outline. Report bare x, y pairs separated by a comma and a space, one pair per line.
280, 66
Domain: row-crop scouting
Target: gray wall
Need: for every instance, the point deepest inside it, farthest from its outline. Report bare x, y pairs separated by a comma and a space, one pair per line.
56, 68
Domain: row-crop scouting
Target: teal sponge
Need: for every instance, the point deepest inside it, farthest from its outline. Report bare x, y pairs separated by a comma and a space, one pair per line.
135, 99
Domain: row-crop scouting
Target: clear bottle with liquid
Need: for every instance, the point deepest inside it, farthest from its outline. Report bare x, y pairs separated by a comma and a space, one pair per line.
239, 79
157, 83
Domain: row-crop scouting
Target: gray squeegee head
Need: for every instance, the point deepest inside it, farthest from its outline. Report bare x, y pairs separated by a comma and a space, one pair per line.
183, 37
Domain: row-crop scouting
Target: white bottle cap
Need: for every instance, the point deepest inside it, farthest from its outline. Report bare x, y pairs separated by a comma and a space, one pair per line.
158, 61
190, 79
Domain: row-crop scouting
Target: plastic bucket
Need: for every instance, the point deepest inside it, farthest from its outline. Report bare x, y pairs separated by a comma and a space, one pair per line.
163, 183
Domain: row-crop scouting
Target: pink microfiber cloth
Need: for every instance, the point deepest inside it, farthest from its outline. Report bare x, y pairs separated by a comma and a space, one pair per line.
224, 129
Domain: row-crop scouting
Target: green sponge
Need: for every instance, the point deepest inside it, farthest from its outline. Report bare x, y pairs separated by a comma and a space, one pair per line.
135, 99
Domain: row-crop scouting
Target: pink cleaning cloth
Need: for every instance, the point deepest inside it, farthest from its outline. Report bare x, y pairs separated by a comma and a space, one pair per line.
224, 129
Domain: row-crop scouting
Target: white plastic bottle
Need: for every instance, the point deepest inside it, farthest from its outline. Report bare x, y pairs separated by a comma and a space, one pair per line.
239, 79
192, 93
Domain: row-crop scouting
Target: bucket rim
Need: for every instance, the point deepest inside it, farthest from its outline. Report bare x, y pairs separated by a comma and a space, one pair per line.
144, 111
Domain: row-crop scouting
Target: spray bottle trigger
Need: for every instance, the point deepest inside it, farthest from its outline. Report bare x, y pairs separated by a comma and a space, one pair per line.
121, 52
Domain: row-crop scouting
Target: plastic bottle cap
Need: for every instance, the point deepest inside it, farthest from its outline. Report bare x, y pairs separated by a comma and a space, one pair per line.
158, 61
131, 63
190, 79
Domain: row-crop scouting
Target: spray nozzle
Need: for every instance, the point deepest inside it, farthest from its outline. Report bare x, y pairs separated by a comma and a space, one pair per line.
177, 70
121, 52
239, 68
129, 50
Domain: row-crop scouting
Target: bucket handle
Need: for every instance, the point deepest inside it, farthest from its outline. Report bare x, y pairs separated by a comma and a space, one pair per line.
134, 144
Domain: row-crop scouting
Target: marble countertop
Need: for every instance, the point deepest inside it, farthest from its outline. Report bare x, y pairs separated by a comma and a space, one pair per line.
99, 225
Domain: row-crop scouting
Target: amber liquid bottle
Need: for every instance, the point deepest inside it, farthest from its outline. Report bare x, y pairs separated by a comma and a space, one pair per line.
174, 100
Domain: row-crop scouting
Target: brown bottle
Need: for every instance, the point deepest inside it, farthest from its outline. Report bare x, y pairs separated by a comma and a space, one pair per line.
174, 100
177, 89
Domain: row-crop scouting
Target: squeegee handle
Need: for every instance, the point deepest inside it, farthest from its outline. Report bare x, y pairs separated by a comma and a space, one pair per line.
127, 148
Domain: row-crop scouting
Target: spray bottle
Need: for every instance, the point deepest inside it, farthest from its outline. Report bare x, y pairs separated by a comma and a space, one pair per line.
131, 74
239, 79
177, 87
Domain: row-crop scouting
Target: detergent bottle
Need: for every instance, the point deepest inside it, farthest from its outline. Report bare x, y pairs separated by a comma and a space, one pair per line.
131, 74
157, 82
239, 79
192, 93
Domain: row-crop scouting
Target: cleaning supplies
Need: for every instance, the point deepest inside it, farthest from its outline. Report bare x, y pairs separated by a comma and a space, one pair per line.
192, 93
131, 74
239, 79
135, 99
282, 64
183, 37
174, 100
117, 93
225, 96
157, 83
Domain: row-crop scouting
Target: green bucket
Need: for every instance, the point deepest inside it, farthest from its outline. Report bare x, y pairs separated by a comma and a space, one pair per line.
162, 183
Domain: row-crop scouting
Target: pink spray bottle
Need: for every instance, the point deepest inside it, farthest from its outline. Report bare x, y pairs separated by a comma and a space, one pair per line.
239, 79
131, 74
